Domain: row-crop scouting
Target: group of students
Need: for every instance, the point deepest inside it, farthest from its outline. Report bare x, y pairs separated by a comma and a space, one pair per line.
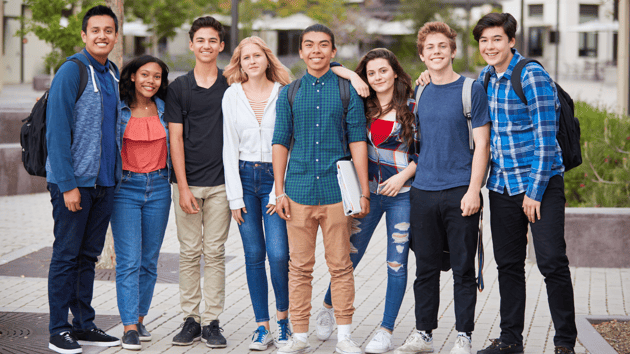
245, 143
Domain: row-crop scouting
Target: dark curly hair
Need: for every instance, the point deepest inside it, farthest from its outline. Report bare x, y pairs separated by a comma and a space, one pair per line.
128, 87
402, 92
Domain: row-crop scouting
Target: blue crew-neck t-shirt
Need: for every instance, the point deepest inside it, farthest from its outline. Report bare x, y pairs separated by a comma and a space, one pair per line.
445, 159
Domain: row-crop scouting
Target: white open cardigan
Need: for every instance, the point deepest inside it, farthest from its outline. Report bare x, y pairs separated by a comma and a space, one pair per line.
245, 139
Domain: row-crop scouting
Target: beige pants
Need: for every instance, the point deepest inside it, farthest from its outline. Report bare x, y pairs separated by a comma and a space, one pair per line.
302, 230
204, 232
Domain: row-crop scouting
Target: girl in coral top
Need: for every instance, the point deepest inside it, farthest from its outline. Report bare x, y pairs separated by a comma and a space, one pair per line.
143, 197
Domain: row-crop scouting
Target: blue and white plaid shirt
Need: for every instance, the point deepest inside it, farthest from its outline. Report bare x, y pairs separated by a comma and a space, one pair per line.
525, 152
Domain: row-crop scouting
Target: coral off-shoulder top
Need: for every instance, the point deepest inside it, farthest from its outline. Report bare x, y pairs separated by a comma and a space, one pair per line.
144, 145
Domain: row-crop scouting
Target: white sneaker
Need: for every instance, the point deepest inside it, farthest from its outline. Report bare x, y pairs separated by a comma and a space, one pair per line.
261, 340
348, 346
295, 346
325, 323
415, 344
462, 346
380, 343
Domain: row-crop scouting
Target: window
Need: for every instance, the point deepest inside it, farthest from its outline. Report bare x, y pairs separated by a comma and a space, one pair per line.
288, 42
588, 44
589, 13
535, 11
535, 46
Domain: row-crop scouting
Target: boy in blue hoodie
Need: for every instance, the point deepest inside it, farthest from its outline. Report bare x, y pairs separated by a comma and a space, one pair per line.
82, 170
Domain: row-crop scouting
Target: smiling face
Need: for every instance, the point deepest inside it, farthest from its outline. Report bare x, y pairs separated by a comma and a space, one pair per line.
380, 75
206, 45
436, 52
147, 80
100, 38
496, 48
316, 51
253, 60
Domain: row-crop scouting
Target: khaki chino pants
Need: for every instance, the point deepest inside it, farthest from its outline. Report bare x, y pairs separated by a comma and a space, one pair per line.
302, 231
204, 232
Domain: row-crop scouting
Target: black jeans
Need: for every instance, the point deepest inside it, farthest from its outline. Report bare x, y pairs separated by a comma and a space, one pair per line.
436, 217
509, 237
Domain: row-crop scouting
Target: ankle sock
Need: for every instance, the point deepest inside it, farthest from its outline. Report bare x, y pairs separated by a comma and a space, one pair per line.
343, 332
467, 335
427, 336
303, 337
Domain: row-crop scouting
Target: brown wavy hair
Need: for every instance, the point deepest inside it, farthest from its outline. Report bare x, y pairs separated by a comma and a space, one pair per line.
276, 72
402, 92
436, 27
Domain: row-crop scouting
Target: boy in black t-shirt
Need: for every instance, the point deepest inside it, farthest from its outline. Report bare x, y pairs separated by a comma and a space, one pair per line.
202, 214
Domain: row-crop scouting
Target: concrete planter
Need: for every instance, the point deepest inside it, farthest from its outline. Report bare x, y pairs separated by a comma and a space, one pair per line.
598, 237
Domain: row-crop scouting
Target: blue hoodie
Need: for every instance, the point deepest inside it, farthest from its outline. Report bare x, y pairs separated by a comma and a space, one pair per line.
74, 130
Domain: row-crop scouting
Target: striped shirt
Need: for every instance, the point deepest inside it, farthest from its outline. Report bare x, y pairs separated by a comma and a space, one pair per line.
259, 108
311, 177
525, 153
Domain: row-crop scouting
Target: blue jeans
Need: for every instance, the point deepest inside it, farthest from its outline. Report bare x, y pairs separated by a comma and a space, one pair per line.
79, 239
139, 218
397, 219
257, 181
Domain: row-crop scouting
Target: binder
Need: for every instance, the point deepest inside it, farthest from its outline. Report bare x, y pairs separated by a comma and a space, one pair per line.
349, 186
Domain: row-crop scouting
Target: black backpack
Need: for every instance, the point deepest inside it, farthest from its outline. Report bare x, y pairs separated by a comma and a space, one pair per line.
568, 135
33, 132
344, 92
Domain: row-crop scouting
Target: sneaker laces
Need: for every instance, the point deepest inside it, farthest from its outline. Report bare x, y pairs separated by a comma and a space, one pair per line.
215, 330
284, 331
99, 331
68, 337
325, 317
495, 343
462, 340
261, 335
380, 336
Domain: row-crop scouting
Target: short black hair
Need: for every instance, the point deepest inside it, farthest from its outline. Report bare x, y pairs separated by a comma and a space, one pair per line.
99, 10
127, 87
206, 21
318, 28
505, 20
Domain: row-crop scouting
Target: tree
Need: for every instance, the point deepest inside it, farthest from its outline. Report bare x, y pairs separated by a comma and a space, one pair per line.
57, 22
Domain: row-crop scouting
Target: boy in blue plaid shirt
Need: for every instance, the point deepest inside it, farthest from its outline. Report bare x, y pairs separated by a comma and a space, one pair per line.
526, 187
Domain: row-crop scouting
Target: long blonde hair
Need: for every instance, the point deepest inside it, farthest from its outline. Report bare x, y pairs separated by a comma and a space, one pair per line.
276, 72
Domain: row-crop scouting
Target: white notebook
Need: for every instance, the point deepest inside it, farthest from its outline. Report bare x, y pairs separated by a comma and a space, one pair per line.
350, 187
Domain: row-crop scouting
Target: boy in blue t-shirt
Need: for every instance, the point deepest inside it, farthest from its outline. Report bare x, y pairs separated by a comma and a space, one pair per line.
445, 195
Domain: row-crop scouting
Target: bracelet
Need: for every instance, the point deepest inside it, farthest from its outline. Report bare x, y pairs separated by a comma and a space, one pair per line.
281, 196
368, 198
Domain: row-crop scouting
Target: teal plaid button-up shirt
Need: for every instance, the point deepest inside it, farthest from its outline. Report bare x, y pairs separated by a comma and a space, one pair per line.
316, 124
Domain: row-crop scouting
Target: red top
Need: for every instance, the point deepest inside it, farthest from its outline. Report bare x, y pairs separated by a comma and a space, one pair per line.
144, 145
380, 130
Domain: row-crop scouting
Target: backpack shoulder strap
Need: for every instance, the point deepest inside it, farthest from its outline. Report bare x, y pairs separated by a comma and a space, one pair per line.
344, 92
292, 92
419, 89
83, 77
467, 105
486, 81
186, 101
515, 79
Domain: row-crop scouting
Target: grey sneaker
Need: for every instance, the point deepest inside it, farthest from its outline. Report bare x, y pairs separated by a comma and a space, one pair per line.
212, 335
295, 346
416, 343
145, 335
191, 331
131, 340
325, 323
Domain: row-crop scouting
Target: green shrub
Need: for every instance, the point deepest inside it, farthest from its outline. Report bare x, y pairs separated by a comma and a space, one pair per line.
603, 179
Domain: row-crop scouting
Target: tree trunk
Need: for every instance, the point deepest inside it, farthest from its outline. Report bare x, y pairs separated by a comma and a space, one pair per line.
108, 257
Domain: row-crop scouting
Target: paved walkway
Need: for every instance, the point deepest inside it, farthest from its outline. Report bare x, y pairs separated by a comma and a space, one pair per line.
26, 225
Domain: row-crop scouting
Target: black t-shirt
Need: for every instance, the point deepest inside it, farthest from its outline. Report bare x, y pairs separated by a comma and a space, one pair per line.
203, 129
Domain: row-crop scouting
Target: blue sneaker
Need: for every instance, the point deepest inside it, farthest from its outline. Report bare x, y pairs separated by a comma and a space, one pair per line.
261, 340
284, 333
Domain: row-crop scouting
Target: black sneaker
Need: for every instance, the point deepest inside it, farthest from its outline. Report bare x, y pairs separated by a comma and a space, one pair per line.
498, 347
212, 335
564, 350
190, 332
131, 340
145, 335
96, 337
64, 343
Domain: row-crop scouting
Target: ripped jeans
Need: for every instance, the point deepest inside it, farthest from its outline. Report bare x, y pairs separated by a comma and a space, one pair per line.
396, 211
